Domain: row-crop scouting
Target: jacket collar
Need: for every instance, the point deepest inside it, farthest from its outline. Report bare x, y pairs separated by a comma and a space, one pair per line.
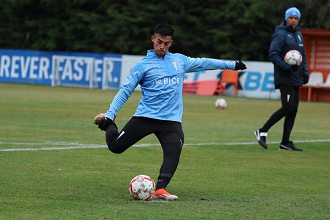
150, 53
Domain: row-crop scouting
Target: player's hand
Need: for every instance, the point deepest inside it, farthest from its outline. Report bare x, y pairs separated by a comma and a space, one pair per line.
305, 79
104, 123
239, 65
293, 68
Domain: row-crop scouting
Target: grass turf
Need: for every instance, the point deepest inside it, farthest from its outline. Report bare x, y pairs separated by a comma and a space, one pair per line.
212, 181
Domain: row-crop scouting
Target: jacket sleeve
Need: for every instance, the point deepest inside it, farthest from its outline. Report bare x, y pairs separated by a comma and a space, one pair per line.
276, 47
125, 92
198, 64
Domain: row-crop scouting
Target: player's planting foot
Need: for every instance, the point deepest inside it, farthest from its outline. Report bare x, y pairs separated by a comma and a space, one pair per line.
261, 138
162, 194
289, 146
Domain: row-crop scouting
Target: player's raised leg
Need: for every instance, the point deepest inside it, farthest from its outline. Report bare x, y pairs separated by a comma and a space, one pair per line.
135, 129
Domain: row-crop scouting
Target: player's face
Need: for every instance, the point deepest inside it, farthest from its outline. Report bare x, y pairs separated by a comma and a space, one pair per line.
161, 44
292, 21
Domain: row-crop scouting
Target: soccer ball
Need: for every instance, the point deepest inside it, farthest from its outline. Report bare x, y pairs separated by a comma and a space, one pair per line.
220, 103
293, 57
142, 187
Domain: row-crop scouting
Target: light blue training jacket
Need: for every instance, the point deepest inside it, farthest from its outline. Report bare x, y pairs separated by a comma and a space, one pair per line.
161, 81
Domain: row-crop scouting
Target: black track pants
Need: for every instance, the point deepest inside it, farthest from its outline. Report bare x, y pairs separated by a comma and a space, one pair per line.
289, 109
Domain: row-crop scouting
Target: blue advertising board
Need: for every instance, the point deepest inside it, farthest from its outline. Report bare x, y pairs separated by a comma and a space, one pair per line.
25, 66
59, 68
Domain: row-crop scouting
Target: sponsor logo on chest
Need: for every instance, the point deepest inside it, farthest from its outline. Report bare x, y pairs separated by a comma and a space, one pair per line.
168, 80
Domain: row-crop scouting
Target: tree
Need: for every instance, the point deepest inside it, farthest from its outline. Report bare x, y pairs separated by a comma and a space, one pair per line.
226, 29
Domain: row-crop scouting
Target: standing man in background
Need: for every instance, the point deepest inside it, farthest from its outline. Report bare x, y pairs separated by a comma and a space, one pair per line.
288, 78
160, 74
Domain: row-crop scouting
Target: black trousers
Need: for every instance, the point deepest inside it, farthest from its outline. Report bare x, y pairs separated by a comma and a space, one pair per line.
289, 109
169, 134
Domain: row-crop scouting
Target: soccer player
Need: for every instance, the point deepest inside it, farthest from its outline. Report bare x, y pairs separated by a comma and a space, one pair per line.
288, 78
160, 74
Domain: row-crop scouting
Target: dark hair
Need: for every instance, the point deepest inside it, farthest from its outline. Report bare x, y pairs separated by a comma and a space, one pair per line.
164, 30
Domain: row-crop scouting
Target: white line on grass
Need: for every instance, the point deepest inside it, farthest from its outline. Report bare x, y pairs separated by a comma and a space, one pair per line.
69, 146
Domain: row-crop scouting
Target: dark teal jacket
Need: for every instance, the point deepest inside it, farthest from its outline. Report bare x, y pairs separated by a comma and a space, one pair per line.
283, 40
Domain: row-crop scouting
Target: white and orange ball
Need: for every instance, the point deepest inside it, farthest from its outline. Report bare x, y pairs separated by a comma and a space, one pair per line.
293, 57
142, 187
220, 103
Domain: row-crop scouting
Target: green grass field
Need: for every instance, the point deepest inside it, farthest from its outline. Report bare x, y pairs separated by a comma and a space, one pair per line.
213, 181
